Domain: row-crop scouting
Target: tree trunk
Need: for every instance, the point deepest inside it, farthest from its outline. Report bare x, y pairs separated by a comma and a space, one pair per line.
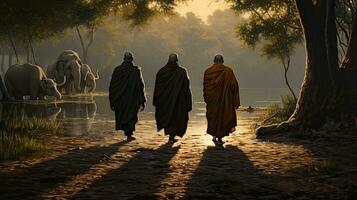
32, 50
13, 47
350, 60
28, 53
2, 62
10, 59
324, 94
286, 70
85, 48
82, 44
5, 95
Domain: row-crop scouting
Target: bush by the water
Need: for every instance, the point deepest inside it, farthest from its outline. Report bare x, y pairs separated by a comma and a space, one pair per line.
18, 136
280, 112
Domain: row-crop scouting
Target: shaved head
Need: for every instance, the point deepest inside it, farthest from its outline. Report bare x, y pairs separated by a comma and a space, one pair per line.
218, 59
128, 57
173, 58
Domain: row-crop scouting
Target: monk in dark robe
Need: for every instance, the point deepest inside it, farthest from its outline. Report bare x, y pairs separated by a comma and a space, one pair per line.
127, 95
221, 94
172, 99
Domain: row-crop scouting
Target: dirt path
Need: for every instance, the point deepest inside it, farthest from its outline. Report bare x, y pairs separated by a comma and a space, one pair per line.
148, 168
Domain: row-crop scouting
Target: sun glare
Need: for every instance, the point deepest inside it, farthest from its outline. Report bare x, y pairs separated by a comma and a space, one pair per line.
202, 8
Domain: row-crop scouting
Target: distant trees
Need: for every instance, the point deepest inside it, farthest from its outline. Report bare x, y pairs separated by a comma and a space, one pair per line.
24, 22
274, 27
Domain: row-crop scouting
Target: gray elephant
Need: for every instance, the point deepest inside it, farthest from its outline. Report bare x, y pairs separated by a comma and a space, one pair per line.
88, 79
30, 80
68, 65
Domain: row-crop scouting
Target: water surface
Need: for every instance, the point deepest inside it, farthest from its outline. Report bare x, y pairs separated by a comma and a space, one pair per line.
84, 115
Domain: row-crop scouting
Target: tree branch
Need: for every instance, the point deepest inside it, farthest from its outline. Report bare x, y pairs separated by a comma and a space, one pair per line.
81, 40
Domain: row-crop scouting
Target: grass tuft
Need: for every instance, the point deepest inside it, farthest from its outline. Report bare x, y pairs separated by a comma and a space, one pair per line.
278, 113
18, 136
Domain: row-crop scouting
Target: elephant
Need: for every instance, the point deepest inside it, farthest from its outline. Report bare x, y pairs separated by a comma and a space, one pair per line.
68, 65
72, 71
30, 80
88, 79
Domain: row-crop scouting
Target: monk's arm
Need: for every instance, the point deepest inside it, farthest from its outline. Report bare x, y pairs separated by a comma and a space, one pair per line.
155, 90
235, 90
142, 89
189, 94
204, 88
111, 90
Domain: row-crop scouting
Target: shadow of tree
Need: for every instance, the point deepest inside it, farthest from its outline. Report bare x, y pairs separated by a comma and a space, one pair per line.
139, 178
338, 147
227, 173
33, 181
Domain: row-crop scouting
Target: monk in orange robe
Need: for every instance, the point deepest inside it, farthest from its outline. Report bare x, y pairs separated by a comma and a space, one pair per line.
221, 94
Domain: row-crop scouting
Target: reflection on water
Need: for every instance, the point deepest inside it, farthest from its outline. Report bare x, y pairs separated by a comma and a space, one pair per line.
84, 115
78, 115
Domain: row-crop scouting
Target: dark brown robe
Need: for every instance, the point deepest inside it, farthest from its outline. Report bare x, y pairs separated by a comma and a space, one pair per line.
172, 99
221, 94
126, 95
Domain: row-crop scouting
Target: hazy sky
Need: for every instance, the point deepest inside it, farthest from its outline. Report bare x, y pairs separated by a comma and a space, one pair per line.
202, 8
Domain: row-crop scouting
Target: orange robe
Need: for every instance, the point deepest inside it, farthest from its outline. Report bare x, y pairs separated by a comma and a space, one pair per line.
221, 94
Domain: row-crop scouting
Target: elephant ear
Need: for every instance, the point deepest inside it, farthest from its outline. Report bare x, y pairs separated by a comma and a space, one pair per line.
59, 65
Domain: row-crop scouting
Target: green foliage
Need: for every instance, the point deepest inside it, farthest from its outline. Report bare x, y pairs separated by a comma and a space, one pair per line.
40, 19
18, 136
280, 113
273, 24
14, 145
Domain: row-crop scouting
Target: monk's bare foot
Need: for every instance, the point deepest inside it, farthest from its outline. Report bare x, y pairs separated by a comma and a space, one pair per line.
172, 140
214, 139
220, 141
130, 138
233, 130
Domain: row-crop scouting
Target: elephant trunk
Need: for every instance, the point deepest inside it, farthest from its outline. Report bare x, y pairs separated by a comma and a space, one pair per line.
63, 82
58, 95
96, 76
93, 86
77, 81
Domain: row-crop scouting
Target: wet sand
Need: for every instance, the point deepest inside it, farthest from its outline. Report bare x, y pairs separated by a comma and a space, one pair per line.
102, 165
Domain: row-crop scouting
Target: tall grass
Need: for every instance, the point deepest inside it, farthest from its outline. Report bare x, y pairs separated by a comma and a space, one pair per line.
278, 113
18, 135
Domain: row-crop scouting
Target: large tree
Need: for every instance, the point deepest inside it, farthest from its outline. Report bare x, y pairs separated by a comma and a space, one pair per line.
328, 92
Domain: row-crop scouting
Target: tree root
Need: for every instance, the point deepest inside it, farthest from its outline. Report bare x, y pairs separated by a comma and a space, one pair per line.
277, 128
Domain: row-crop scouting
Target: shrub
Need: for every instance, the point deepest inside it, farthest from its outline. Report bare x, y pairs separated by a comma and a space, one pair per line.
278, 113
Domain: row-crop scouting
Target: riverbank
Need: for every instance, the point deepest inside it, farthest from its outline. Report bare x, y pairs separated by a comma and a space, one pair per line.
107, 167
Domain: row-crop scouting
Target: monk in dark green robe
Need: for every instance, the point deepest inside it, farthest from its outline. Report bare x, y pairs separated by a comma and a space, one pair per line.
221, 94
127, 95
172, 99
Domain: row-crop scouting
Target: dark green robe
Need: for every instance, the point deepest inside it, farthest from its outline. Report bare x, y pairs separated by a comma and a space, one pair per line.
126, 94
172, 99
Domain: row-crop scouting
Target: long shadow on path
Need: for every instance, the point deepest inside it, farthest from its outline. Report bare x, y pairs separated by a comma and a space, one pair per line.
137, 179
31, 182
227, 173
